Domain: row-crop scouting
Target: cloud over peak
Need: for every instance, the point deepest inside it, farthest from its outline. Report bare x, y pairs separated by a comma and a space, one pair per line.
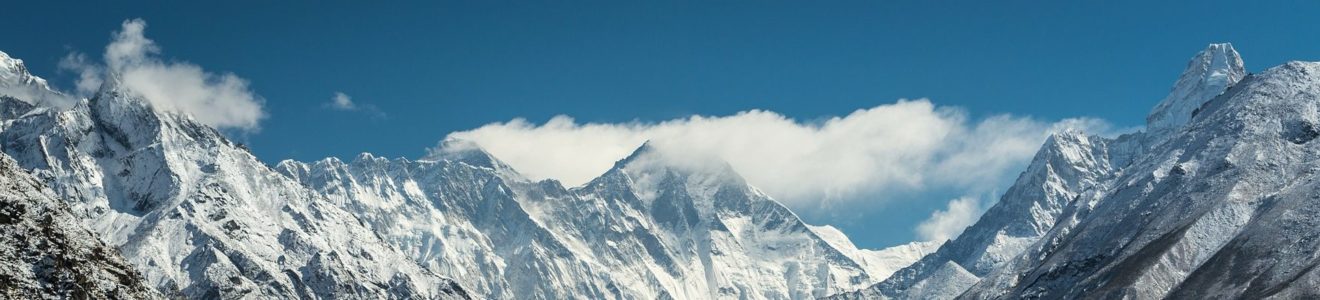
906, 146
222, 100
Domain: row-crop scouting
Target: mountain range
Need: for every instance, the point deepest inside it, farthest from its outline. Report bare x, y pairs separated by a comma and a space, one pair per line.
201, 217
1211, 200
114, 198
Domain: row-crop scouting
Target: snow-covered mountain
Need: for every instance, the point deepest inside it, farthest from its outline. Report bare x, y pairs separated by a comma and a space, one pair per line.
197, 214
1215, 199
47, 253
1223, 208
1207, 75
649, 228
457, 216
201, 217
1067, 165
17, 82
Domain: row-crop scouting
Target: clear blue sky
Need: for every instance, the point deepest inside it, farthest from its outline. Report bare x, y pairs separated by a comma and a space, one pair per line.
441, 67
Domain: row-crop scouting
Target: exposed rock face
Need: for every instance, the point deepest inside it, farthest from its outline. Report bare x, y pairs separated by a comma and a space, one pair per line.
46, 253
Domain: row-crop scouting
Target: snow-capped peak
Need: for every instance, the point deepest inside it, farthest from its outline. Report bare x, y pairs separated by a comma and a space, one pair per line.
206, 219
655, 158
16, 82
1223, 208
465, 151
1067, 164
1208, 74
200, 213
13, 73
645, 149
132, 119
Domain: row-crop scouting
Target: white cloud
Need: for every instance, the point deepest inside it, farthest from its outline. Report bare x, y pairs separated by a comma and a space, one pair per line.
220, 100
904, 146
341, 101
130, 46
89, 73
38, 95
950, 222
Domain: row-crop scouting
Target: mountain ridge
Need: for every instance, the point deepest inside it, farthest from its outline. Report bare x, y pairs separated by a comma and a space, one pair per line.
201, 213
654, 247
1241, 157
46, 253
1067, 173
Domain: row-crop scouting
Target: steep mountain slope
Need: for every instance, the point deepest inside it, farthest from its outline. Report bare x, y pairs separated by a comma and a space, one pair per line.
17, 83
706, 232
1207, 75
881, 263
202, 215
645, 229
457, 216
1221, 208
46, 253
206, 219
1067, 165
1063, 180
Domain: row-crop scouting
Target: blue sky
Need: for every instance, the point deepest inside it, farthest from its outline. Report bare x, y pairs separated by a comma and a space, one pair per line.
435, 68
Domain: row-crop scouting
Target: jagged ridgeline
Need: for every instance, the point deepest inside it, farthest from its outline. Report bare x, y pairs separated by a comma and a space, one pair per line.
200, 217
1216, 199
195, 215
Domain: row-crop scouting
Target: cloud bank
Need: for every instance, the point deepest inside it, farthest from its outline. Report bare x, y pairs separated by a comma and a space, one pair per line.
910, 145
222, 100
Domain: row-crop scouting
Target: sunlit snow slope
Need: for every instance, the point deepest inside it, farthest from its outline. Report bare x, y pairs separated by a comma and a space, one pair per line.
648, 228
197, 214
200, 217
1216, 199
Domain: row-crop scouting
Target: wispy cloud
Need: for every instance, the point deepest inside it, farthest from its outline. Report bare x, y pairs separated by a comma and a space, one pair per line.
344, 102
341, 101
221, 100
905, 146
949, 222
89, 72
